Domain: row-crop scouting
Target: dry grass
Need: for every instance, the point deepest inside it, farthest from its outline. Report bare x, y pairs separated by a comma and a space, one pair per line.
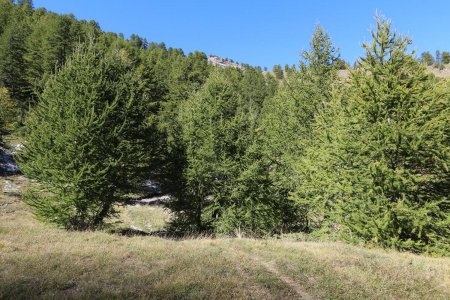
41, 261
440, 73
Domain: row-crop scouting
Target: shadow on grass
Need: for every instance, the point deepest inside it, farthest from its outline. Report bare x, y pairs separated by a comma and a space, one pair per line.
170, 235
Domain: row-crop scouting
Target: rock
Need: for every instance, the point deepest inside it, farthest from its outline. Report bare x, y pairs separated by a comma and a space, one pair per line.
136, 228
151, 187
152, 201
10, 187
7, 164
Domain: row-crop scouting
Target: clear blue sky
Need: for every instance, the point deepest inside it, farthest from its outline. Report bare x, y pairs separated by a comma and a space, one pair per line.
263, 32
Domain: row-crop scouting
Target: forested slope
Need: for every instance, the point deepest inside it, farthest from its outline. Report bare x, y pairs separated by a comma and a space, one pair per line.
240, 152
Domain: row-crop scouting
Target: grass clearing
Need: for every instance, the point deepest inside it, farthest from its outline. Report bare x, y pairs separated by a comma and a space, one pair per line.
144, 218
40, 261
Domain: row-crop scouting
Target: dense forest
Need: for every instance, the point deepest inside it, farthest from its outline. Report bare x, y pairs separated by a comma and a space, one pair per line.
363, 158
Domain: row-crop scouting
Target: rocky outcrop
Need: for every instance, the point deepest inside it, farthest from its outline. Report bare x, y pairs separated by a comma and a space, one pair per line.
222, 62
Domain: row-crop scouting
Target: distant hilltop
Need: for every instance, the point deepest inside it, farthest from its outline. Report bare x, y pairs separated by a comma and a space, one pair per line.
223, 62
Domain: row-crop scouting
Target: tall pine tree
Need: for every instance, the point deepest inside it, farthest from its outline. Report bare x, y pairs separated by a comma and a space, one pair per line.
13, 66
380, 162
284, 131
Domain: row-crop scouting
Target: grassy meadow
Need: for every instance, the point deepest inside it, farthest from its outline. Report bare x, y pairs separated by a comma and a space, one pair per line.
40, 261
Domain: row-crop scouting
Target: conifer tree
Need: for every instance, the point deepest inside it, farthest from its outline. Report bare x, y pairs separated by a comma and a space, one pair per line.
87, 139
13, 66
25, 2
278, 72
7, 109
445, 57
217, 127
6, 12
180, 77
380, 165
438, 59
284, 132
427, 58
47, 47
210, 135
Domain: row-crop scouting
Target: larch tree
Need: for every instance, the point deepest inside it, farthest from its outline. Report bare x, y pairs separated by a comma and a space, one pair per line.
211, 136
380, 164
284, 131
87, 139
13, 66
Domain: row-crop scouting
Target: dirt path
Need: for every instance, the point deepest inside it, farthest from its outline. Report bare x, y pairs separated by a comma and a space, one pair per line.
288, 281
257, 290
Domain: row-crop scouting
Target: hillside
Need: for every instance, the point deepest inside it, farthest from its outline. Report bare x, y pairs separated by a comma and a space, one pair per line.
129, 169
41, 261
440, 73
222, 62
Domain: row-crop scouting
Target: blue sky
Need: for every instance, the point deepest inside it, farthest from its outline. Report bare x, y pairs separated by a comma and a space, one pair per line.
263, 32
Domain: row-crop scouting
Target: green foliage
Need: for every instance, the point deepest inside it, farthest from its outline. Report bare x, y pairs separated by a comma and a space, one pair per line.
25, 3
12, 64
241, 152
284, 131
427, 58
8, 111
87, 139
445, 57
379, 167
180, 77
33, 45
320, 61
51, 40
6, 9
217, 128
212, 132
278, 72
250, 209
341, 64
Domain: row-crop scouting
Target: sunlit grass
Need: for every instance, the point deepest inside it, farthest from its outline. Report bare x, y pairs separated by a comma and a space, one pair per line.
145, 218
41, 261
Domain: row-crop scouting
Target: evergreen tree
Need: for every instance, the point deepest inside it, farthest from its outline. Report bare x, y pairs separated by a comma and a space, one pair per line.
249, 210
181, 77
87, 139
438, 59
7, 109
25, 2
217, 127
341, 64
445, 57
138, 42
12, 63
47, 46
318, 66
278, 72
427, 58
380, 164
282, 134
6, 12
209, 133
